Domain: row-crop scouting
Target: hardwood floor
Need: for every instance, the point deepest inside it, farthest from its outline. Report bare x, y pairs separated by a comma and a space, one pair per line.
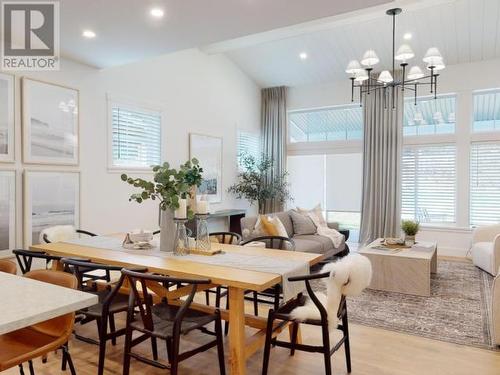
374, 352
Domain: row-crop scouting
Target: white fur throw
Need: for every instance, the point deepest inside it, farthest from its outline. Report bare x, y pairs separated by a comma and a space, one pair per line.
58, 233
349, 276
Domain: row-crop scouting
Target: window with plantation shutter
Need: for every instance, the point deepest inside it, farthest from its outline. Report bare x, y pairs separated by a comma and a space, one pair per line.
429, 183
136, 136
485, 183
248, 144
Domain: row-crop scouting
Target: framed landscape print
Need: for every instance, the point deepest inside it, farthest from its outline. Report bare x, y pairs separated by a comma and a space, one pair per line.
50, 123
50, 198
6, 117
208, 150
7, 210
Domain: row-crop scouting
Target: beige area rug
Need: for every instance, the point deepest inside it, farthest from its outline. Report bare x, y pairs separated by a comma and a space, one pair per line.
457, 310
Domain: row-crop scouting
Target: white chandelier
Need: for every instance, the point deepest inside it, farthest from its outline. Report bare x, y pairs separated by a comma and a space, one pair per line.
360, 73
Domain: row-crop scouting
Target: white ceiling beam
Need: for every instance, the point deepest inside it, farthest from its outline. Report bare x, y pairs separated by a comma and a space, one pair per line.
362, 15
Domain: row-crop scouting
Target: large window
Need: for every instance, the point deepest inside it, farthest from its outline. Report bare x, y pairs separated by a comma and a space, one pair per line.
333, 180
486, 111
135, 136
429, 183
485, 183
429, 116
328, 124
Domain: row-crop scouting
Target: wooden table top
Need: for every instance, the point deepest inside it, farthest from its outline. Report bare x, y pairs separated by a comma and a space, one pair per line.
176, 266
401, 252
26, 301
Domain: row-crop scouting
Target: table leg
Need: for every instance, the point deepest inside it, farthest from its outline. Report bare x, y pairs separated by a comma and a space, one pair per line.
434, 262
237, 331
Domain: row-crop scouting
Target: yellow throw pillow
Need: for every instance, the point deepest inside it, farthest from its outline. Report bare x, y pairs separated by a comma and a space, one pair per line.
269, 227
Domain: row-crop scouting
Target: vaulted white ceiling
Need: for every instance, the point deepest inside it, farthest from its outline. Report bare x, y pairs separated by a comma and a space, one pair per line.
463, 30
126, 32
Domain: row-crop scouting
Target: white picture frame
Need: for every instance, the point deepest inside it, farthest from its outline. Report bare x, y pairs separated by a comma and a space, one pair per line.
7, 117
54, 201
50, 117
208, 150
8, 180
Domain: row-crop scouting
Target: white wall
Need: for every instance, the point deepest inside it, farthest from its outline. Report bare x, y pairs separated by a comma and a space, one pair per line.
199, 93
460, 79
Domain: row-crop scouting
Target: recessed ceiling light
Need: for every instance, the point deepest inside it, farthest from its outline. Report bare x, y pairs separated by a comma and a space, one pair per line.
157, 12
407, 36
88, 34
303, 55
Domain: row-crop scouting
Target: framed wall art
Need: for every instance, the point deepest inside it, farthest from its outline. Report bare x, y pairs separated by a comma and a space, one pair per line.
7, 117
50, 123
50, 198
208, 150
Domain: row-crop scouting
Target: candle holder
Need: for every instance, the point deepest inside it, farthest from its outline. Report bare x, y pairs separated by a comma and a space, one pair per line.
202, 235
181, 242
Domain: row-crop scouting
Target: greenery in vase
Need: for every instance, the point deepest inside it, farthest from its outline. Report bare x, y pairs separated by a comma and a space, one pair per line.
253, 185
410, 227
168, 185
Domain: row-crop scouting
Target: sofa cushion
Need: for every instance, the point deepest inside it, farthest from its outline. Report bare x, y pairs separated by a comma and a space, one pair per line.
325, 242
302, 224
307, 246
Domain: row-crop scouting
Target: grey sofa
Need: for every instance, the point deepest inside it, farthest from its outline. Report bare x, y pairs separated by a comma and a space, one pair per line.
310, 243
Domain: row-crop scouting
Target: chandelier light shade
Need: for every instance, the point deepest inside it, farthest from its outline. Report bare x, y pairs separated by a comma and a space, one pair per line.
353, 67
370, 58
415, 73
385, 77
404, 53
432, 56
362, 78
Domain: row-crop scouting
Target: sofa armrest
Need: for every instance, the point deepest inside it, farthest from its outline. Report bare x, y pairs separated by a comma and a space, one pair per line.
495, 313
486, 233
333, 225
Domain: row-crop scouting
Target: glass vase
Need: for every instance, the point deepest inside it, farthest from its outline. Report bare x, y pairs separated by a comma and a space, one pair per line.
202, 234
181, 243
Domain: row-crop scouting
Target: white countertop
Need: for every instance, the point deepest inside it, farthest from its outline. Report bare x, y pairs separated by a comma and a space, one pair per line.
25, 302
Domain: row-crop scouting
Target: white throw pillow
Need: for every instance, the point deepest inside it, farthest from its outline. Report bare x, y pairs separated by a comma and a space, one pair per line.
317, 212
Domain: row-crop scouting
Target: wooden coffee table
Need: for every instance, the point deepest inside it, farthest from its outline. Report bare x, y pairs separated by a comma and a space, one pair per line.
403, 270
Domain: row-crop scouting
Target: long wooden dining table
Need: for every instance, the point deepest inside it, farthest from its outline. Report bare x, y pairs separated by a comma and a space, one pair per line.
237, 280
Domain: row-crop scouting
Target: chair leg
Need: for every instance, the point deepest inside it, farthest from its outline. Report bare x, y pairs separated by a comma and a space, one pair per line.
112, 328
255, 304
217, 297
295, 331
220, 345
226, 323
68, 359
32, 370
267, 345
64, 361
347, 346
103, 329
174, 363
169, 349
154, 348
126, 350
207, 297
21, 369
326, 349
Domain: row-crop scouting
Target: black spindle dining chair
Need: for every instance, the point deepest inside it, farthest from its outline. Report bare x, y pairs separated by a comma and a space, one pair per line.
167, 321
283, 316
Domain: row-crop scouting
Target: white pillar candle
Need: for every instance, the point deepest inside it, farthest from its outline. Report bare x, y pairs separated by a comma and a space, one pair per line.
181, 212
202, 207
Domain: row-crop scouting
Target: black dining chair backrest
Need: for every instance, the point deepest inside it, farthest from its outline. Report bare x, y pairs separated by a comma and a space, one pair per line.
25, 258
231, 238
273, 242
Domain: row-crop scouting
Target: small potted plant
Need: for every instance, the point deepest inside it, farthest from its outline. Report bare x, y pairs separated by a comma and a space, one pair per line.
169, 185
410, 229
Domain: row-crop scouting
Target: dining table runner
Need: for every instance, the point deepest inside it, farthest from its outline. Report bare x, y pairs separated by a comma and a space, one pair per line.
261, 263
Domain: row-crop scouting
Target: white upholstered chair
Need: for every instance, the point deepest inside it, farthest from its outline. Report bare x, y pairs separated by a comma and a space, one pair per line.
486, 248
